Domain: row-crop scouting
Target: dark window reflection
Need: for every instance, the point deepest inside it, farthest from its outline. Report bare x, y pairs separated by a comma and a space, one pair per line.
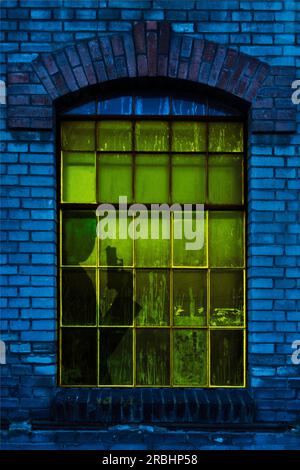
116, 356
79, 297
226, 357
116, 308
116, 297
79, 356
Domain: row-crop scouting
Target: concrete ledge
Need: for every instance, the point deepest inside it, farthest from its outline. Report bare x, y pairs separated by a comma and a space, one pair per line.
151, 438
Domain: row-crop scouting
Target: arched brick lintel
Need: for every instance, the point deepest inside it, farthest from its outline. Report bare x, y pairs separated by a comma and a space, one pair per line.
150, 51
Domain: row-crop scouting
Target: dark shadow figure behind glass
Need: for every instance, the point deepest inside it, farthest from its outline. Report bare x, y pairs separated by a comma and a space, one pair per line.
120, 311
80, 301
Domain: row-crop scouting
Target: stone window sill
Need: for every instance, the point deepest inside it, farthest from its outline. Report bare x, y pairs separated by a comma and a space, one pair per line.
153, 406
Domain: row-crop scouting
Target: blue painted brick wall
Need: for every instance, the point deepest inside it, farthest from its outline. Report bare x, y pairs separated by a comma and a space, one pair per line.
268, 30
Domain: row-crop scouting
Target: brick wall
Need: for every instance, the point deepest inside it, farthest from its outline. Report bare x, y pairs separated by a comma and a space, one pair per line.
266, 30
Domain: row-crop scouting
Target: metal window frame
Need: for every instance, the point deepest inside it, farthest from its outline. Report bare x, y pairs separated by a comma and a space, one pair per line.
62, 206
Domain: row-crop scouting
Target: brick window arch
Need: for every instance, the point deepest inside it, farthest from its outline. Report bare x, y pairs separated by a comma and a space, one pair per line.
151, 50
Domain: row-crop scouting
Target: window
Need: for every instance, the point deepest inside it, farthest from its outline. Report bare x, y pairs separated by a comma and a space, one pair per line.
149, 313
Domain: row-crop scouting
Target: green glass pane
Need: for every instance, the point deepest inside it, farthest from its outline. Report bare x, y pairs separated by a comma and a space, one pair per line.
116, 356
115, 177
190, 357
150, 251
152, 178
153, 297
188, 179
153, 356
227, 357
226, 137
226, 239
189, 239
78, 135
189, 136
79, 238
226, 298
114, 136
115, 239
79, 178
116, 297
152, 136
78, 356
78, 296
225, 184
189, 297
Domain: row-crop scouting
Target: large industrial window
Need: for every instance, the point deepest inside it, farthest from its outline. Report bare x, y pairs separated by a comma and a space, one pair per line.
149, 313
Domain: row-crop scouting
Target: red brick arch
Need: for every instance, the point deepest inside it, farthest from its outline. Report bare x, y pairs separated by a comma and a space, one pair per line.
151, 50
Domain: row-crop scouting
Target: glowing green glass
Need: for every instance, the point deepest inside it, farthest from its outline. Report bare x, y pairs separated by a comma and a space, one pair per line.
115, 177
225, 137
226, 239
225, 179
189, 239
152, 136
226, 298
152, 297
115, 233
78, 135
151, 178
79, 238
153, 356
190, 357
189, 297
79, 179
114, 136
188, 178
188, 136
152, 252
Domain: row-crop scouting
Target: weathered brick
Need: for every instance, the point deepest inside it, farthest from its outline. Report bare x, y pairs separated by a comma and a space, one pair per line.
87, 63
152, 52
140, 38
